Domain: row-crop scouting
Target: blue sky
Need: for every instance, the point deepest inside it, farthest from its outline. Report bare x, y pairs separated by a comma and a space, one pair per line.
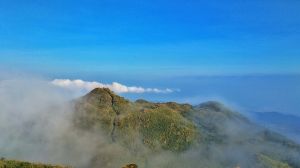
151, 37
244, 53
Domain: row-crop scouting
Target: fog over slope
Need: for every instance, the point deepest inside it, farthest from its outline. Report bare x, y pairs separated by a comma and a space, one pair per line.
37, 124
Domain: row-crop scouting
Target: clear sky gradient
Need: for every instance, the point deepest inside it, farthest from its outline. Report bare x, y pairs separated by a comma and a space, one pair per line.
245, 53
151, 37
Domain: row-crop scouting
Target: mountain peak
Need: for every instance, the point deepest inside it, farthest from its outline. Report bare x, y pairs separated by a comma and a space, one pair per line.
176, 127
104, 97
101, 91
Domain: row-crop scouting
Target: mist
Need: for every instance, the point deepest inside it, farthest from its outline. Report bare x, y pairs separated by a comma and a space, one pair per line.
36, 125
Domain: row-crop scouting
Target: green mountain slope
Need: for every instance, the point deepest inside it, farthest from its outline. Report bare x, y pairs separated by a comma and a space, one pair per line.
211, 128
168, 135
160, 125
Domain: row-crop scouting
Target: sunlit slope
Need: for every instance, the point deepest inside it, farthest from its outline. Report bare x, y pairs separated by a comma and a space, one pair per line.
157, 125
180, 127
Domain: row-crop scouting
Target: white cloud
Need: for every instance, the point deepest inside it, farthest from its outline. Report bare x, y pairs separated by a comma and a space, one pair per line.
115, 86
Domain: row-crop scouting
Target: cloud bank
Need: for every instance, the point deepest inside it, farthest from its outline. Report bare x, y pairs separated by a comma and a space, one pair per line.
81, 85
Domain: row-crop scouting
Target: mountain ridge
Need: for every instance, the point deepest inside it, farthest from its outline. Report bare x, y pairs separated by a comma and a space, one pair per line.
178, 127
120, 132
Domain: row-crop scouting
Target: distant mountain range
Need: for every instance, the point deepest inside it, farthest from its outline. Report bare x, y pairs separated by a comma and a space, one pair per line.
285, 124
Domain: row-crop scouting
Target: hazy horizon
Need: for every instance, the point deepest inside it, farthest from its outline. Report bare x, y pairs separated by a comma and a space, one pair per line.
236, 63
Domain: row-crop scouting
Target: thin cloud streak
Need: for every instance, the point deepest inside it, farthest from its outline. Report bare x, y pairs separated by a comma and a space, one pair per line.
81, 85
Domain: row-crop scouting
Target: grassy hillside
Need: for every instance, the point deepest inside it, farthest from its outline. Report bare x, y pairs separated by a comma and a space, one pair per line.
159, 125
22, 164
170, 135
181, 127
268, 162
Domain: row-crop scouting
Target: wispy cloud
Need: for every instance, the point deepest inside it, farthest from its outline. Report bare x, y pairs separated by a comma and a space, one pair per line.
81, 85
